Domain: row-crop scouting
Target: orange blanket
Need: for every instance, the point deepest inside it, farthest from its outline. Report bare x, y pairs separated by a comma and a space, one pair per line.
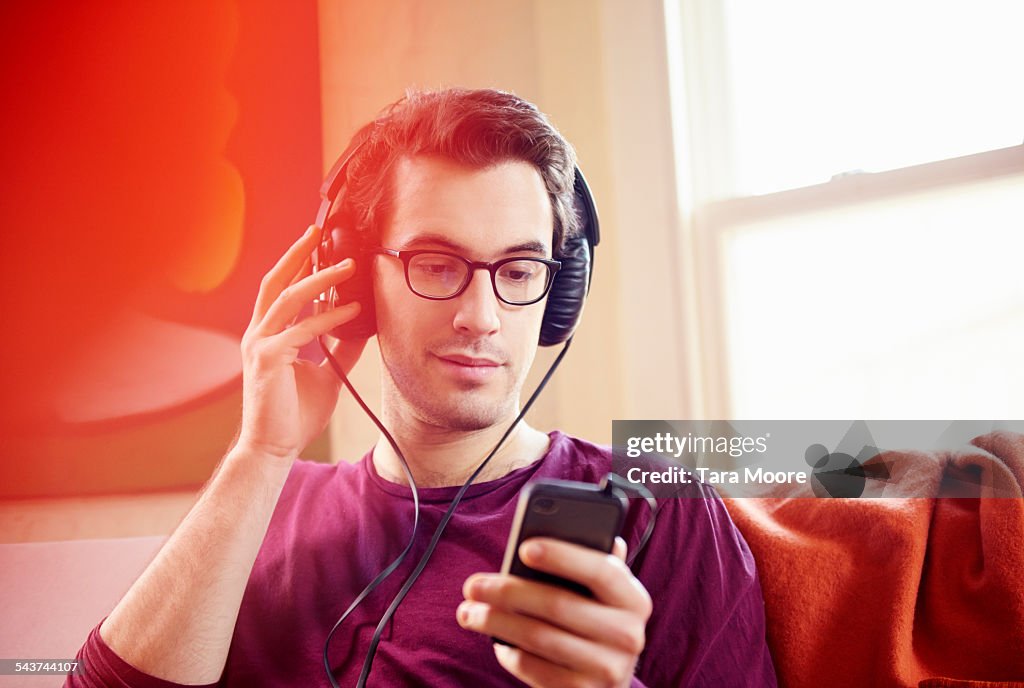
899, 591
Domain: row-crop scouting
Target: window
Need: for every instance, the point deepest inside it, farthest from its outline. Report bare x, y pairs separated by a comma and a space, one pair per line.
853, 190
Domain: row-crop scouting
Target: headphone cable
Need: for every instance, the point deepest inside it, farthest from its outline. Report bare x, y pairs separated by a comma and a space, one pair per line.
387, 571
414, 576
411, 580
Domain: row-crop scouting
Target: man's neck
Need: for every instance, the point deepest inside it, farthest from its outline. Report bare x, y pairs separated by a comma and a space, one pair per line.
441, 457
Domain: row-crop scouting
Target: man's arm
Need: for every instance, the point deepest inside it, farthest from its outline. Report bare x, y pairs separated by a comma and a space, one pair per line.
177, 620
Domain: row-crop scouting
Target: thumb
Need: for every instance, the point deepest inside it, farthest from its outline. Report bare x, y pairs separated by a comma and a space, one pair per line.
619, 548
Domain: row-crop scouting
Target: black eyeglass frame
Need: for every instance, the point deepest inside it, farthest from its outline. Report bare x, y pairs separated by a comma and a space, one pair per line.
406, 257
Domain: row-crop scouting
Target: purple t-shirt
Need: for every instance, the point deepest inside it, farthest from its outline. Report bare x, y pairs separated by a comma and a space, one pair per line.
335, 527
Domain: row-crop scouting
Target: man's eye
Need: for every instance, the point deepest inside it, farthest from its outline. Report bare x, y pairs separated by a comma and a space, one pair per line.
520, 272
436, 269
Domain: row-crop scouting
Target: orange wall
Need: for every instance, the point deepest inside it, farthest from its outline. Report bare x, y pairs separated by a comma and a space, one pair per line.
158, 158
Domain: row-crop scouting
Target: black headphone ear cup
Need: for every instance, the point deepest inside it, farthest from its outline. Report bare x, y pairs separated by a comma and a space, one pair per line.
568, 293
346, 243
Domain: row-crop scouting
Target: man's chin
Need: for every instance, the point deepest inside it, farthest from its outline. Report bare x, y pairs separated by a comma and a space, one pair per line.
453, 402
471, 412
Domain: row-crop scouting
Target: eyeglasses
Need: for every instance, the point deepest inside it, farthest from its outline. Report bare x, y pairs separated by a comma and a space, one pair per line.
439, 275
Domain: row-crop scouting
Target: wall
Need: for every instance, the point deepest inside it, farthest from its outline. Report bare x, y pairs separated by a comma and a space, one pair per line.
597, 69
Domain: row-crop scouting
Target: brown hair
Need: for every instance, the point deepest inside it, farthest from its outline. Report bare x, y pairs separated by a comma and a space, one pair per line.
478, 128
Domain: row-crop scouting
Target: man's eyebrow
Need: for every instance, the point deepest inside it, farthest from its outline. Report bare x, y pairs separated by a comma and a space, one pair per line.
433, 239
528, 247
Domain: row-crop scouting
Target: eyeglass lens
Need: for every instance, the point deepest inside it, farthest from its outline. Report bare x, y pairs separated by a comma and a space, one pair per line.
438, 275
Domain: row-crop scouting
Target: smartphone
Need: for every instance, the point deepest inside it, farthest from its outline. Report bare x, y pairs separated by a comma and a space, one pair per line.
576, 512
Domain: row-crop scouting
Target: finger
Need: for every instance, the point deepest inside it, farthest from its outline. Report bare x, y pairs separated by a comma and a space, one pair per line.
304, 271
533, 670
308, 329
284, 271
620, 628
605, 575
540, 639
291, 301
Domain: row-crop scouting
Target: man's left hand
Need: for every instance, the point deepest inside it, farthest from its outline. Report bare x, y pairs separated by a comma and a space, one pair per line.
561, 638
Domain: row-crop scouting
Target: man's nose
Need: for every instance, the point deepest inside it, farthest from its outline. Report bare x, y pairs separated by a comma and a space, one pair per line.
477, 306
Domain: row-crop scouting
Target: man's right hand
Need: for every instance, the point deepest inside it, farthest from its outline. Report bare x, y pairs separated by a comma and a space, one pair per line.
287, 401
177, 620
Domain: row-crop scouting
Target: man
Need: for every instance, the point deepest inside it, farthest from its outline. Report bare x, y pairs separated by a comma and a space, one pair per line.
275, 550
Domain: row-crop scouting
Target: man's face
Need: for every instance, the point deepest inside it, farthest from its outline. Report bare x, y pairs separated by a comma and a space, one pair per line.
460, 363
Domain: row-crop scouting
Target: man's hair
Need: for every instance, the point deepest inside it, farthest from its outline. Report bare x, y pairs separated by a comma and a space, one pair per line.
478, 128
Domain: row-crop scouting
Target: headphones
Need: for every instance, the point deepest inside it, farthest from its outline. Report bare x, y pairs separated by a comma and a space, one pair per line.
564, 301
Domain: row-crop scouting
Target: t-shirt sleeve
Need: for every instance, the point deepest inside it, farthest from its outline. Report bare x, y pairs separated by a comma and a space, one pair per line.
102, 668
708, 624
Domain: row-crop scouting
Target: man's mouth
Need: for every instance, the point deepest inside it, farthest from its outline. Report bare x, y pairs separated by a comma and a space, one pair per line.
469, 370
471, 361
